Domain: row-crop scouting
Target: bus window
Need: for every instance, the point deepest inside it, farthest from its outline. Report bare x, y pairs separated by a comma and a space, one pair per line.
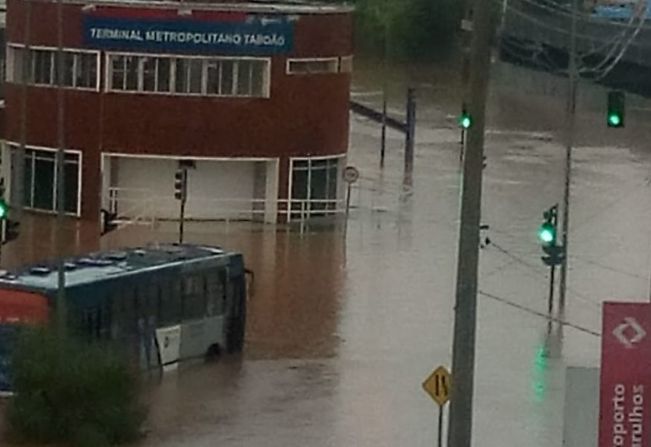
193, 298
170, 303
91, 322
215, 293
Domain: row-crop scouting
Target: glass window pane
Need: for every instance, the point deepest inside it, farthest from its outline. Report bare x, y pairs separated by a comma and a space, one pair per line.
44, 180
18, 61
346, 64
228, 67
299, 185
42, 66
163, 74
181, 76
196, 68
212, 69
332, 182
131, 72
68, 68
148, 74
257, 78
117, 70
244, 78
71, 176
86, 70
188, 75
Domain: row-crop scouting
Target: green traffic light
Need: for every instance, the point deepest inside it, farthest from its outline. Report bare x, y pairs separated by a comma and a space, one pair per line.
614, 119
4, 209
547, 233
465, 121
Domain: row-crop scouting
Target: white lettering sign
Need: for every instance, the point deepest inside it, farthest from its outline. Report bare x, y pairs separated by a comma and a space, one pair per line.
197, 38
628, 416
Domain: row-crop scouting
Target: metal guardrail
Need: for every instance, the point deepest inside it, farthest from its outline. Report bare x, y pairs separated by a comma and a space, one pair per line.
133, 205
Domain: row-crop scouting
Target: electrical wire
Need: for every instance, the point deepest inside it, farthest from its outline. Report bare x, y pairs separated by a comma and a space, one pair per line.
535, 269
538, 313
618, 44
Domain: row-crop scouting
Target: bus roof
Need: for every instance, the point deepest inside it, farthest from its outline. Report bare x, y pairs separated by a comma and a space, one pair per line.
111, 264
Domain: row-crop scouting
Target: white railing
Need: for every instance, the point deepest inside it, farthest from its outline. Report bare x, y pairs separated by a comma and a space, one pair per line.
147, 206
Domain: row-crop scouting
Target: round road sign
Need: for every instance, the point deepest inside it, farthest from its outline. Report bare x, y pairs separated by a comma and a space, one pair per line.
351, 174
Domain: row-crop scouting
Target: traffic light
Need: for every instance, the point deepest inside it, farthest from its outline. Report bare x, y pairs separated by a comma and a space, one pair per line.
108, 221
465, 120
547, 230
555, 255
4, 209
616, 108
180, 184
9, 230
547, 234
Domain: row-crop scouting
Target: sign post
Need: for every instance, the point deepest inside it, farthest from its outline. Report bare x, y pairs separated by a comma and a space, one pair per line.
625, 384
351, 174
438, 386
181, 194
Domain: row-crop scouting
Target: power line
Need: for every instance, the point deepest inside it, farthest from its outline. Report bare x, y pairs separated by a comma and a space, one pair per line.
610, 268
618, 44
538, 313
536, 270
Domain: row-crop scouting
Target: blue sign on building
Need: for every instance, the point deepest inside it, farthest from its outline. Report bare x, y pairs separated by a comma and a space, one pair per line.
189, 36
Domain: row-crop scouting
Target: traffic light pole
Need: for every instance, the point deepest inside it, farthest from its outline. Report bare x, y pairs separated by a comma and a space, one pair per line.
550, 304
465, 319
569, 143
181, 219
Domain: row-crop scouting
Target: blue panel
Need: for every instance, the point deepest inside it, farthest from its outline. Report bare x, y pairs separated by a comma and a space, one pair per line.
189, 36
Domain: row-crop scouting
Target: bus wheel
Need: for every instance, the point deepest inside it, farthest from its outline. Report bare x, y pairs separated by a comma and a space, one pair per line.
214, 352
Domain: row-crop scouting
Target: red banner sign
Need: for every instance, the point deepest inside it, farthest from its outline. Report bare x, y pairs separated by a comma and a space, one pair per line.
625, 394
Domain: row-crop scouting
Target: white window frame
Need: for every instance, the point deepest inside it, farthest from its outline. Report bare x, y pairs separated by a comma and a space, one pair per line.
14, 145
266, 75
10, 65
346, 60
333, 60
341, 160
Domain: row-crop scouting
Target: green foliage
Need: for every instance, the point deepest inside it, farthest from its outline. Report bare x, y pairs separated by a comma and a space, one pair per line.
414, 29
67, 390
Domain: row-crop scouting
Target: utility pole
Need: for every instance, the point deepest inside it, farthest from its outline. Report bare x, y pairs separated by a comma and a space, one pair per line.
570, 121
60, 173
463, 353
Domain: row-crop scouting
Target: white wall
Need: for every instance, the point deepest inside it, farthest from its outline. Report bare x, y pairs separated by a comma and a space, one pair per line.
220, 189
216, 189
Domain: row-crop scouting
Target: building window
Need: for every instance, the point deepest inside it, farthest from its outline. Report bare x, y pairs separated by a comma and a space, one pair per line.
313, 65
314, 187
241, 77
40, 181
79, 67
346, 64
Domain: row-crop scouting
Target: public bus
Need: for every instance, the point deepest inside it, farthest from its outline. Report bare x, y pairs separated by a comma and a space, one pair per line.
161, 303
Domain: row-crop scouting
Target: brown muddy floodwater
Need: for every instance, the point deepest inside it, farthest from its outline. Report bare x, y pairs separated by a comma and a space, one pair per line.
344, 327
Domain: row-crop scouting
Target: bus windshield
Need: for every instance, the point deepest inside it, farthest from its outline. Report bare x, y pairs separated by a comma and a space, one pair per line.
17, 308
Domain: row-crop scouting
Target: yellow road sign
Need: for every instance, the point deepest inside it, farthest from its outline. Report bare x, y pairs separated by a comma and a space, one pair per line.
438, 385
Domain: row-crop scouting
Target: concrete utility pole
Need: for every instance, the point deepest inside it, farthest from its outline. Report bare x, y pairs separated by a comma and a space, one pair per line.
60, 173
463, 355
573, 83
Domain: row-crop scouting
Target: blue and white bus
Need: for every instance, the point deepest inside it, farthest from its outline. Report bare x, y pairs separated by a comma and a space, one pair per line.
162, 303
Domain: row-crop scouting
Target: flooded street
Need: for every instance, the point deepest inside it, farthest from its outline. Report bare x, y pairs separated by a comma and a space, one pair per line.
344, 326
